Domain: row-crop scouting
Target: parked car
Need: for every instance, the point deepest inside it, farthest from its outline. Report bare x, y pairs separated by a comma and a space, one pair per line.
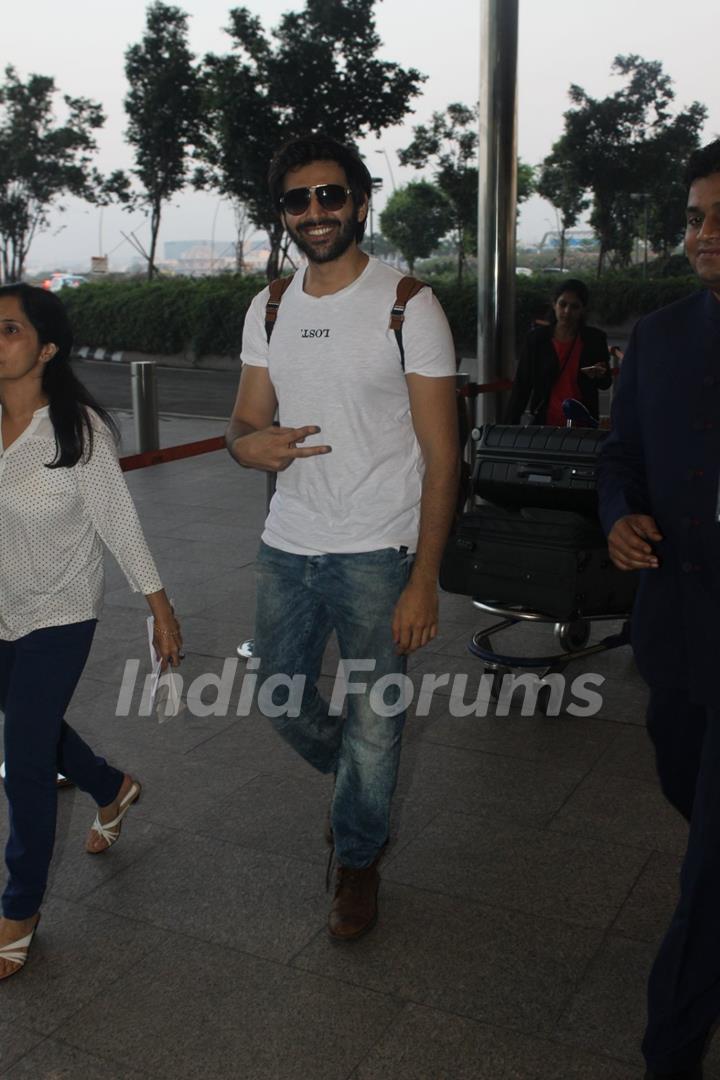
59, 281
523, 271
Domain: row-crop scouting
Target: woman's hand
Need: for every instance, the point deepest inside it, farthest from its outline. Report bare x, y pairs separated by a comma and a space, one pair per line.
167, 637
595, 371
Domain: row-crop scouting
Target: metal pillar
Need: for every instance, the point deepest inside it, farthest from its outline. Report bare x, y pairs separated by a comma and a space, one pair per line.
145, 407
497, 168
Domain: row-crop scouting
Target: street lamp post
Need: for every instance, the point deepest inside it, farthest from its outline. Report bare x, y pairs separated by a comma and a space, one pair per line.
376, 185
384, 152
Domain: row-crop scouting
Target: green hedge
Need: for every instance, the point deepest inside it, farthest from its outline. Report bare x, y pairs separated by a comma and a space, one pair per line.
205, 315
613, 300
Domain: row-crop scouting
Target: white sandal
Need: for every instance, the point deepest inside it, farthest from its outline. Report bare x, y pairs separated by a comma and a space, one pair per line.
17, 951
110, 830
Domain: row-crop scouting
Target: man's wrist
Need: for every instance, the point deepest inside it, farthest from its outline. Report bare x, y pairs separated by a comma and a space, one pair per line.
425, 577
234, 448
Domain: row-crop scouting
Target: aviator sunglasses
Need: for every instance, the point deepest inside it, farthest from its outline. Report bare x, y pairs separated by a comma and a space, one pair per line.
330, 196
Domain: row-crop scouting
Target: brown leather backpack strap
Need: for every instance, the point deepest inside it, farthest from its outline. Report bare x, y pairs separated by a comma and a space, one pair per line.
407, 287
277, 290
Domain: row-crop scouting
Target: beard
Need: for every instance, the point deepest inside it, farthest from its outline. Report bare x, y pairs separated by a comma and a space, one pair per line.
344, 238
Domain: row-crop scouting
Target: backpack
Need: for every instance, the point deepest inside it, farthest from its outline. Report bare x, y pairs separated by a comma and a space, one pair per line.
407, 287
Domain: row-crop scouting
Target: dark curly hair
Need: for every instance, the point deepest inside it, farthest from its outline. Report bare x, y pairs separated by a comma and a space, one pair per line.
309, 148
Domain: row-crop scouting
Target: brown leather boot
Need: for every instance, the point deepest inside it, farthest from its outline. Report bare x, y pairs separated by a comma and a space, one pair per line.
354, 907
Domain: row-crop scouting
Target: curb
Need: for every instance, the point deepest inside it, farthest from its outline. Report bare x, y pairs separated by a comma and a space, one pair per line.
84, 352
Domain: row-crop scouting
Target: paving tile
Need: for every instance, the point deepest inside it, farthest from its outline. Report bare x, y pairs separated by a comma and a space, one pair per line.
252, 742
194, 597
646, 913
468, 782
97, 720
282, 814
74, 873
630, 754
220, 892
425, 1043
77, 956
564, 740
465, 680
218, 636
198, 1010
607, 1013
518, 867
623, 811
55, 1060
15, 1042
223, 527
177, 792
498, 966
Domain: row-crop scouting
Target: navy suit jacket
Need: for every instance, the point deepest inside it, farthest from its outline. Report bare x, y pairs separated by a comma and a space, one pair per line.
662, 458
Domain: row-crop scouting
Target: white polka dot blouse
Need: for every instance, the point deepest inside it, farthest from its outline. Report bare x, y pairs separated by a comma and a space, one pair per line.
53, 524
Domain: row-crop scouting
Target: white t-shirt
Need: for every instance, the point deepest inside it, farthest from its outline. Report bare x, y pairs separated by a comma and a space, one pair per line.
334, 362
53, 523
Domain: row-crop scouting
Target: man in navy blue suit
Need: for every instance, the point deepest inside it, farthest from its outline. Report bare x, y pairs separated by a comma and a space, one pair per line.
658, 489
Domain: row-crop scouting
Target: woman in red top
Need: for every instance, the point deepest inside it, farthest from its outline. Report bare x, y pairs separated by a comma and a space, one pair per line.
566, 359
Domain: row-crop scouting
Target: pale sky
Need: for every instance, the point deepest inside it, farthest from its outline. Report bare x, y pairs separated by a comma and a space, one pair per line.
81, 43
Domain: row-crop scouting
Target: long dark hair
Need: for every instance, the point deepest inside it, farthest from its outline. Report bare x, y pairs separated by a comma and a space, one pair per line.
68, 399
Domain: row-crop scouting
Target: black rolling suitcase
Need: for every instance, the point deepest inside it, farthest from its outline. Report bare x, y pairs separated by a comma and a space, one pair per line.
551, 561
538, 466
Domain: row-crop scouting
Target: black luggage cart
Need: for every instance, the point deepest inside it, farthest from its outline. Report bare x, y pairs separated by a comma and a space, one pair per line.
537, 472
572, 636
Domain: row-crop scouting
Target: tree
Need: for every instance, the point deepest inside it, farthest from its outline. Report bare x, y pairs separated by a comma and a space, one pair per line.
558, 183
319, 74
625, 145
415, 220
163, 108
450, 144
41, 161
526, 182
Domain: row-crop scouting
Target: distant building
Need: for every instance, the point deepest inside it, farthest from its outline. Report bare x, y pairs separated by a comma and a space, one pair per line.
585, 239
195, 257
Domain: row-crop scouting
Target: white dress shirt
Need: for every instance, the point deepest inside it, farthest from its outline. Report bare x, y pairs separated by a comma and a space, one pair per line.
53, 524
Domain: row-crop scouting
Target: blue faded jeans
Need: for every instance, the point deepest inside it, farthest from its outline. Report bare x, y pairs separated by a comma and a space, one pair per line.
301, 599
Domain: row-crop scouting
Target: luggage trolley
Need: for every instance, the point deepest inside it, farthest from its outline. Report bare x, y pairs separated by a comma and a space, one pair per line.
572, 637
535, 472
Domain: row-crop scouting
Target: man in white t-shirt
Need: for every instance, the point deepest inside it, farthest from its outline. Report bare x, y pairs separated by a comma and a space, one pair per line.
367, 462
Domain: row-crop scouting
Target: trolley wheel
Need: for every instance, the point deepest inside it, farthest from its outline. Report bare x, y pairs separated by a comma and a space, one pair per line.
572, 636
498, 672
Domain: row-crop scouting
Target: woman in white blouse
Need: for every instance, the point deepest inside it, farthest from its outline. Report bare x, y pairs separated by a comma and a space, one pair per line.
62, 496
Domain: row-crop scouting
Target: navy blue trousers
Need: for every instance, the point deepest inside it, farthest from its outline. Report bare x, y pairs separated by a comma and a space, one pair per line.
684, 985
38, 676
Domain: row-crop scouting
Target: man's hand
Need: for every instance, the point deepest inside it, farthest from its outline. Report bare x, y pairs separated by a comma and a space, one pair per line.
415, 619
274, 448
629, 545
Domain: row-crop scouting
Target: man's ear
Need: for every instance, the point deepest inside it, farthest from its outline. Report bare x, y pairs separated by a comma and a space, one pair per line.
362, 210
